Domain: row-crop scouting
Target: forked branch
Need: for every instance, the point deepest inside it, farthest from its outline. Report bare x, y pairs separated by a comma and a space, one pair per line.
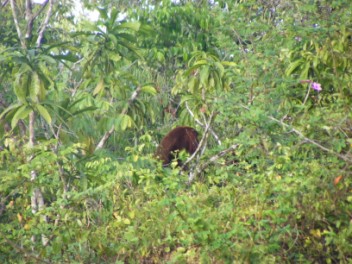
123, 112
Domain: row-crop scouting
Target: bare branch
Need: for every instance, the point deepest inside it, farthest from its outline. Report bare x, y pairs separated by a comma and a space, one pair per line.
31, 129
4, 3
44, 4
17, 25
201, 144
45, 23
19, 249
311, 141
200, 149
29, 19
216, 137
346, 158
218, 155
123, 112
213, 159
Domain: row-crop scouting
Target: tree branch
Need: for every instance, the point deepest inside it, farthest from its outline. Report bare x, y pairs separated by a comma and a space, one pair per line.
29, 19
201, 144
202, 125
40, 10
311, 141
4, 3
218, 155
17, 25
200, 149
19, 249
123, 112
45, 23
212, 159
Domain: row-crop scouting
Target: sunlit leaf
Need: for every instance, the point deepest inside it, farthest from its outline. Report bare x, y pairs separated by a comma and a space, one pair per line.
192, 84
10, 108
204, 75
113, 39
99, 87
123, 122
21, 113
220, 69
293, 66
149, 89
44, 113
131, 25
304, 72
21, 86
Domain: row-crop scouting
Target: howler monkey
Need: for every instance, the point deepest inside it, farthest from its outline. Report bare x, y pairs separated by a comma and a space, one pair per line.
180, 138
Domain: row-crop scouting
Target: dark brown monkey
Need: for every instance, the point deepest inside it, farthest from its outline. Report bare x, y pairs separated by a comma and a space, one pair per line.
180, 138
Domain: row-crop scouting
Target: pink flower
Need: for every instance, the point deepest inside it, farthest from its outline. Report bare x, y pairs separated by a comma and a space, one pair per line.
316, 86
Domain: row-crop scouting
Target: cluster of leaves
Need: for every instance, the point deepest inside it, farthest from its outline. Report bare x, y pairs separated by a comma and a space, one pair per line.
272, 77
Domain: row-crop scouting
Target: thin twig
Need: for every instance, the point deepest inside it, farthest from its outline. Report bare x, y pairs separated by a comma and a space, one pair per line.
200, 149
123, 112
15, 19
212, 159
216, 137
306, 98
201, 143
45, 23
43, 5
300, 134
306, 139
21, 250
217, 156
29, 19
4, 3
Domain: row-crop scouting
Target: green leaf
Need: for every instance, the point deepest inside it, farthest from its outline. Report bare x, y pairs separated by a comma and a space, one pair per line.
131, 25
20, 86
200, 62
186, 98
293, 66
113, 39
21, 113
44, 113
219, 68
8, 109
48, 59
149, 89
99, 87
113, 15
125, 121
192, 84
36, 88
204, 75
114, 57
217, 82
305, 71
86, 109
229, 63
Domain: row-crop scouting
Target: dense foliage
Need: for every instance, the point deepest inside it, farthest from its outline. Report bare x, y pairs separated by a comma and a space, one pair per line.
83, 105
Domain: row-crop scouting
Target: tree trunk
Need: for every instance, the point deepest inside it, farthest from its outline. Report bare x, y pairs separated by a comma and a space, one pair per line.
37, 200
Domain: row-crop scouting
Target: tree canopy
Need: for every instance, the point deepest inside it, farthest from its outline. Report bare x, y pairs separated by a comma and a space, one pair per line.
84, 103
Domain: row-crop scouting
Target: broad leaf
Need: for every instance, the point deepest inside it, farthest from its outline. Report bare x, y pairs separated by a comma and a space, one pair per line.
149, 89
21, 113
99, 87
44, 113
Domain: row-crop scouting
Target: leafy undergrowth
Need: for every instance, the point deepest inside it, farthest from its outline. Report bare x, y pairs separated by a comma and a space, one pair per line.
147, 214
83, 109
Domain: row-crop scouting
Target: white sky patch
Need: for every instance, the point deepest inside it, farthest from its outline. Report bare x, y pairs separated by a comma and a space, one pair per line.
83, 12
78, 11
